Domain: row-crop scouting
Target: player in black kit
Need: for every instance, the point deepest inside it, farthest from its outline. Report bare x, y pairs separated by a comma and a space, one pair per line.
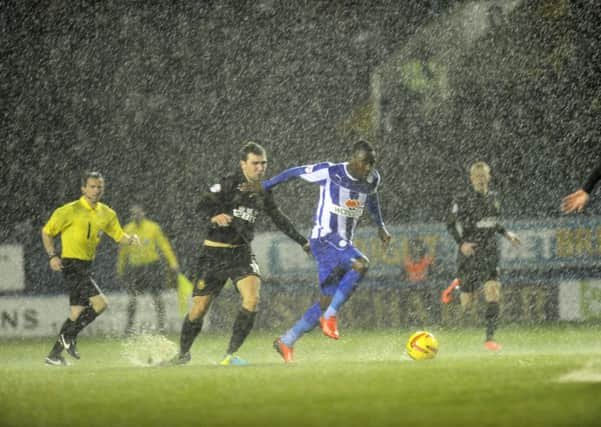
226, 252
473, 222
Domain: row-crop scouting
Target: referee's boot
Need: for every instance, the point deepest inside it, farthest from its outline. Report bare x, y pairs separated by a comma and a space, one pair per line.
329, 327
70, 345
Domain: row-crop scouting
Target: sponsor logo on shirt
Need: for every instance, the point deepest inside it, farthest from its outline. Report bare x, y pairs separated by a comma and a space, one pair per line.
247, 214
354, 212
489, 222
352, 203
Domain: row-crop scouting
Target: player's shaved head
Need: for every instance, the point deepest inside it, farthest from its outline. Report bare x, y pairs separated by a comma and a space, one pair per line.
363, 150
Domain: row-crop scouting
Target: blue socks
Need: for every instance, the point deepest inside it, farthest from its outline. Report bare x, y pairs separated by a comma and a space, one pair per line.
306, 323
311, 317
345, 289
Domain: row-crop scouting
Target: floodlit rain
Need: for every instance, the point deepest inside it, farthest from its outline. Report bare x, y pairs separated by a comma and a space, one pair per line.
159, 97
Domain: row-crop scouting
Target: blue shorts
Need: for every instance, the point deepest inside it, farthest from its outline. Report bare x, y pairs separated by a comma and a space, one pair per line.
335, 257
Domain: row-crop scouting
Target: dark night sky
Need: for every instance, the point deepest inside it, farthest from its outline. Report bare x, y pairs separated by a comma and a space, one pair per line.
160, 97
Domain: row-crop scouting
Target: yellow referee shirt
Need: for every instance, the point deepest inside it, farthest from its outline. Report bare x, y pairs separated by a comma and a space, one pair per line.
81, 228
152, 239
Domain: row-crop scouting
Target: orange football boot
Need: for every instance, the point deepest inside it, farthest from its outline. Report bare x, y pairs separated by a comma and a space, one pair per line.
492, 346
286, 352
447, 294
329, 327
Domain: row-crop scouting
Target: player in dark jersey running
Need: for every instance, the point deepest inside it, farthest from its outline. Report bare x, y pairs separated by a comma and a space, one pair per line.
473, 221
579, 198
226, 252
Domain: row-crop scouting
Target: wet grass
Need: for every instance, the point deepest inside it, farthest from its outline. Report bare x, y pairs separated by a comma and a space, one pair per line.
362, 380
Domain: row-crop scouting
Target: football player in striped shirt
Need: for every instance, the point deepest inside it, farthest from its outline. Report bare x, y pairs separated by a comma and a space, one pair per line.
346, 190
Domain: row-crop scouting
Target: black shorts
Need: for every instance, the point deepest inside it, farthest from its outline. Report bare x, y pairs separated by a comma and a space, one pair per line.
79, 281
217, 265
475, 270
145, 278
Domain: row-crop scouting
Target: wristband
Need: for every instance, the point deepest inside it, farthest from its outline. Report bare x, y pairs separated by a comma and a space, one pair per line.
50, 256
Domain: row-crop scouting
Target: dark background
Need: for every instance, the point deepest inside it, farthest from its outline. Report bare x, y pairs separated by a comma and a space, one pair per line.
159, 97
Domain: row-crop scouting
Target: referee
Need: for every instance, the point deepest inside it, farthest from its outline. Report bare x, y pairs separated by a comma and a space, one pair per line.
81, 224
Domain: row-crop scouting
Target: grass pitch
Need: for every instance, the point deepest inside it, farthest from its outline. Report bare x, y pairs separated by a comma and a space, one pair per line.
544, 376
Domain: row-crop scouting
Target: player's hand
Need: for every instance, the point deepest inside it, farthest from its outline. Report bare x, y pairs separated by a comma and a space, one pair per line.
134, 240
575, 201
513, 238
385, 237
468, 248
251, 187
56, 264
307, 248
222, 220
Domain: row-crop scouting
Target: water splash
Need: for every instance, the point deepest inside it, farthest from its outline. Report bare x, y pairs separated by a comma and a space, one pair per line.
147, 349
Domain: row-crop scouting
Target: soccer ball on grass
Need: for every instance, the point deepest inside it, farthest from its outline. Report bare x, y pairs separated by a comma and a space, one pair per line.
422, 345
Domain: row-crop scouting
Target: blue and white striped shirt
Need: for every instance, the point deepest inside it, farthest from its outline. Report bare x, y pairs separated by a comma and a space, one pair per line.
342, 198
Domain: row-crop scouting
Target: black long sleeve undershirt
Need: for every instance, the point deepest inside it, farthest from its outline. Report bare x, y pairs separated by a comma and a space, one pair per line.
284, 224
594, 177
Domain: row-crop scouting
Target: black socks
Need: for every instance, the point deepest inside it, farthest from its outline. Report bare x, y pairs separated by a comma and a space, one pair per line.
190, 330
71, 328
492, 315
243, 324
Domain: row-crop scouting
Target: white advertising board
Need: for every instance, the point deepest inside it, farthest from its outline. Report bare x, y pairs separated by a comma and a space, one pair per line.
12, 274
43, 316
580, 300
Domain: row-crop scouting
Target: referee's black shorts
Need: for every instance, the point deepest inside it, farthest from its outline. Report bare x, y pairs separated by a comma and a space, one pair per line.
218, 264
79, 281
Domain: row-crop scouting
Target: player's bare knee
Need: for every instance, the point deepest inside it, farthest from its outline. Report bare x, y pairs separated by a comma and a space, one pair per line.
200, 305
195, 314
75, 312
466, 301
361, 266
99, 304
251, 303
492, 291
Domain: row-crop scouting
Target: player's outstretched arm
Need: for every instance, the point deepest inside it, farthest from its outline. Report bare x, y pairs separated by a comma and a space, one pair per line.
578, 200
375, 211
310, 173
384, 236
283, 223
